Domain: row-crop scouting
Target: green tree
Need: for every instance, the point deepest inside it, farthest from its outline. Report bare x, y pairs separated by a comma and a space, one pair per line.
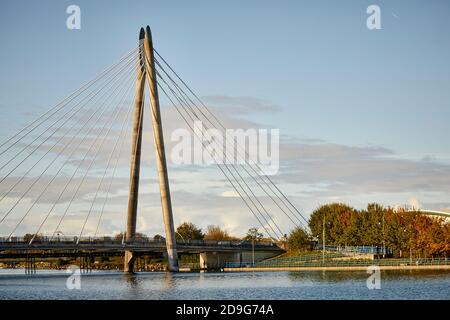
27, 237
336, 217
253, 234
299, 240
370, 225
159, 237
398, 231
189, 231
138, 236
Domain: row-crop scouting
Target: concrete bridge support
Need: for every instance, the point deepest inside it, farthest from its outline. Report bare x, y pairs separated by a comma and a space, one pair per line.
217, 260
135, 155
161, 164
146, 70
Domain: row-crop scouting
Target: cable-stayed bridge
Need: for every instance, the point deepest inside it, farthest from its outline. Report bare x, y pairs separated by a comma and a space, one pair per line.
80, 143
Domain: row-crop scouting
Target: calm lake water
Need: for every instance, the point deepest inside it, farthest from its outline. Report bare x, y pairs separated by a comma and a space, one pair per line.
14, 284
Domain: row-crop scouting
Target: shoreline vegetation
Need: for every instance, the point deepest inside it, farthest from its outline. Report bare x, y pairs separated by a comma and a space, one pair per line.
114, 263
405, 233
339, 268
412, 240
162, 268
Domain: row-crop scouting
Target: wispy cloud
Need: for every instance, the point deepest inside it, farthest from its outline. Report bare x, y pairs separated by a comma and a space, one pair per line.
312, 172
241, 104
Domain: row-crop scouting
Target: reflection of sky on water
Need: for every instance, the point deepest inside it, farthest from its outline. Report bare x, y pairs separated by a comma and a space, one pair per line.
257, 285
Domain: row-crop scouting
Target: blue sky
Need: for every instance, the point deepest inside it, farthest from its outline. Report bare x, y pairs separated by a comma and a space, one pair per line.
332, 77
328, 78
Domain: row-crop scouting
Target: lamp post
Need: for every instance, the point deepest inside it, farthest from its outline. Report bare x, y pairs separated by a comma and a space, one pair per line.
59, 233
323, 240
253, 233
410, 240
384, 238
409, 243
253, 251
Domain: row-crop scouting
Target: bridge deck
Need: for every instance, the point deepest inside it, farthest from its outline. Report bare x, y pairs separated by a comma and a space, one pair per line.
19, 249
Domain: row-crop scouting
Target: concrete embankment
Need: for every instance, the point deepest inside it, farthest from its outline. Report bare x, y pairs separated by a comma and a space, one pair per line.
342, 268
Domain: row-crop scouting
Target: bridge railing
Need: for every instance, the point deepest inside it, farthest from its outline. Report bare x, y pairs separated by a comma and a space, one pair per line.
276, 263
65, 239
4, 241
228, 243
355, 249
74, 240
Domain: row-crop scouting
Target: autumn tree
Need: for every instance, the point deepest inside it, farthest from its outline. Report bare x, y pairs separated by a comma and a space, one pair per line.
432, 236
404, 232
216, 233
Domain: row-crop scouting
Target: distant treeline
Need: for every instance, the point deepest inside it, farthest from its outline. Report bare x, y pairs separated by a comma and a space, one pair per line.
404, 232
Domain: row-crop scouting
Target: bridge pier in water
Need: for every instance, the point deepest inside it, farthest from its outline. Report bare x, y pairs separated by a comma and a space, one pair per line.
146, 70
86, 262
30, 264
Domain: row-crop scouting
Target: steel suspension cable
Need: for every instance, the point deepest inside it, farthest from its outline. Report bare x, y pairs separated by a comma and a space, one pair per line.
226, 166
42, 157
184, 96
118, 157
226, 175
109, 159
55, 130
236, 170
88, 170
61, 104
141, 117
74, 173
110, 182
40, 195
212, 114
28, 189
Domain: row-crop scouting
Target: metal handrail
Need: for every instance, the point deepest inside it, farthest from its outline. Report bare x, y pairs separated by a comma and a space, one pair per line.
144, 241
273, 263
